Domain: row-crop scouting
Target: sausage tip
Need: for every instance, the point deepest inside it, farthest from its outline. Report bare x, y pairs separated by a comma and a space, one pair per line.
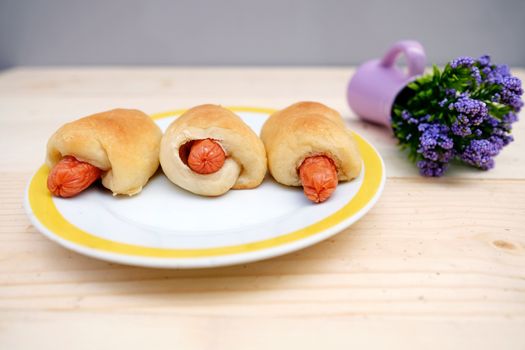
206, 157
70, 176
319, 178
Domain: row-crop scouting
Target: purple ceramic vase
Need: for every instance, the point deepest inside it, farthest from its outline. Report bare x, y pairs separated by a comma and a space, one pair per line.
376, 83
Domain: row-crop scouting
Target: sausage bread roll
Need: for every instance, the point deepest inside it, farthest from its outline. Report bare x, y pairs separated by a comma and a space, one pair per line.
309, 145
209, 150
121, 146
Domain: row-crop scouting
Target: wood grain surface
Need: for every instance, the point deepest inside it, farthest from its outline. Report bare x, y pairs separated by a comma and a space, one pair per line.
437, 263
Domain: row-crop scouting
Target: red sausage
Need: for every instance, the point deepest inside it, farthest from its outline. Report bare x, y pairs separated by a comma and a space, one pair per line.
206, 157
70, 176
319, 178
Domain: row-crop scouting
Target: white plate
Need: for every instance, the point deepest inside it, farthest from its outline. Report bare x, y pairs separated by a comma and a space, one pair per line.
165, 226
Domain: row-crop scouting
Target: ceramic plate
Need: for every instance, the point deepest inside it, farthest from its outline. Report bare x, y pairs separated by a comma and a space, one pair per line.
165, 226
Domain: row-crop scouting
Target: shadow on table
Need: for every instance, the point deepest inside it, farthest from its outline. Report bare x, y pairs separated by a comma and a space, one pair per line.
98, 283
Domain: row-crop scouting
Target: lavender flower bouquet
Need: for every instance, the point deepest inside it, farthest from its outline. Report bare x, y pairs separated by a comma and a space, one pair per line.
463, 112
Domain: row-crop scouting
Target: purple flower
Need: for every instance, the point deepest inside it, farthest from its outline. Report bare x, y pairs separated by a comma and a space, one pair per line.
516, 103
479, 153
447, 156
503, 70
432, 135
484, 60
496, 74
425, 119
430, 155
496, 97
450, 92
511, 92
509, 118
462, 62
427, 140
493, 122
435, 146
445, 142
474, 71
463, 119
431, 168
443, 102
405, 115
476, 111
501, 140
512, 84
460, 129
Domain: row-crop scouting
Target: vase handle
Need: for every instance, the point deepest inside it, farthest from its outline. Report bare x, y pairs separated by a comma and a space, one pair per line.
415, 56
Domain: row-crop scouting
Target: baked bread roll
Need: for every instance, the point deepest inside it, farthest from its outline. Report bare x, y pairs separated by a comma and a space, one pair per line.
121, 146
309, 145
209, 150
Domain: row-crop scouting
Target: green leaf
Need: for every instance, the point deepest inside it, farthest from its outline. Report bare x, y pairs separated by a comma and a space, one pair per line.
436, 72
413, 86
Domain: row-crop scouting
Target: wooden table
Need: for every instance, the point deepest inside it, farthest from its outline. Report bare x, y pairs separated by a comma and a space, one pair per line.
437, 263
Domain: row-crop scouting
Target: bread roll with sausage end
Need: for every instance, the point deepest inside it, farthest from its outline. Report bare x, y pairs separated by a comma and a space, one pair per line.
310, 130
122, 143
238, 160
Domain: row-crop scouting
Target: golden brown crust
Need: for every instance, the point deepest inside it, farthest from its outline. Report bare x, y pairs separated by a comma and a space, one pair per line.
124, 143
305, 129
245, 165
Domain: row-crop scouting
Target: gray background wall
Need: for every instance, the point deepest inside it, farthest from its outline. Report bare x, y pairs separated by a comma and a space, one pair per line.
264, 32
